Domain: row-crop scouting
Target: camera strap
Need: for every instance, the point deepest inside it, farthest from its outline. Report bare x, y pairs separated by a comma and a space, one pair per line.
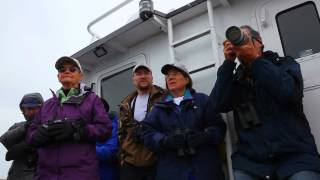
133, 106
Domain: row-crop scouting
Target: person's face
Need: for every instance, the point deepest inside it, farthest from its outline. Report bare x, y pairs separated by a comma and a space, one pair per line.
176, 81
248, 52
69, 76
142, 78
30, 112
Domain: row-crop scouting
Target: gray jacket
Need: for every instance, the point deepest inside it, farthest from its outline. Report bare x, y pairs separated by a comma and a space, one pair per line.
24, 157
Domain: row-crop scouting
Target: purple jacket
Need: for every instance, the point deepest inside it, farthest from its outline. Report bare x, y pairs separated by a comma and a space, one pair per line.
72, 160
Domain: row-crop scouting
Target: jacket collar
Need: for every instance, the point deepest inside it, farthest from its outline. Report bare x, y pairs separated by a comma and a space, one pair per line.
167, 101
155, 91
242, 72
271, 56
187, 96
76, 98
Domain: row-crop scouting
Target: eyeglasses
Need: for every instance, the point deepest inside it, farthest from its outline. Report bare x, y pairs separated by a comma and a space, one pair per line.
70, 69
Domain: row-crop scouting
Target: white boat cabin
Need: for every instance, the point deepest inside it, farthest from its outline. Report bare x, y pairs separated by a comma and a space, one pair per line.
193, 35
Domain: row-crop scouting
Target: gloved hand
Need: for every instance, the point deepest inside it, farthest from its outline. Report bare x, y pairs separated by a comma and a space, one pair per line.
61, 130
32, 159
18, 150
175, 141
198, 138
41, 137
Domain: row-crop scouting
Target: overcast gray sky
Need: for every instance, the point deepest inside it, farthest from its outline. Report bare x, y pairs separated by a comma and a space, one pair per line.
35, 33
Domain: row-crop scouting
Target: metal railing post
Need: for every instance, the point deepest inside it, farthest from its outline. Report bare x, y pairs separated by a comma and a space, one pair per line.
94, 35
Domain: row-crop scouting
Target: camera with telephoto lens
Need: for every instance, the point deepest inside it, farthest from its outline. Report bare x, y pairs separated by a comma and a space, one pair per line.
237, 36
186, 150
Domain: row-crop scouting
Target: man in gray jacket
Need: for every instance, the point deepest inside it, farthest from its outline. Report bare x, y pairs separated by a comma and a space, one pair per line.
23, 155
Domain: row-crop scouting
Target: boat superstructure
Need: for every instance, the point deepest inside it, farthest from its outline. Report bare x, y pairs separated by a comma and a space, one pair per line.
193, 35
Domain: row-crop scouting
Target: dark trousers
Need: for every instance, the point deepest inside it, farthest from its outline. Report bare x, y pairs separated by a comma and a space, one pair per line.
130, 172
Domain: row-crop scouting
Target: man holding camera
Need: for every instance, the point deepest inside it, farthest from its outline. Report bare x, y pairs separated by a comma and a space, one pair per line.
265, 94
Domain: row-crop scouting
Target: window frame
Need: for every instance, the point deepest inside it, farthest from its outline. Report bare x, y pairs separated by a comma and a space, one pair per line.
113, 69
288, 10
111, 76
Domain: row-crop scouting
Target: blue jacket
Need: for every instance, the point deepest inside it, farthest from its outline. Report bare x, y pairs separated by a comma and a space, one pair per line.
281, 141
193, 113
107, 154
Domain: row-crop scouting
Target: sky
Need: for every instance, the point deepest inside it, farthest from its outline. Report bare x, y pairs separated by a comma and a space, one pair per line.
34, 34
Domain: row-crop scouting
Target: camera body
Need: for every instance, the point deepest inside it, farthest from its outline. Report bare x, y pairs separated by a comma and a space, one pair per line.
237, 36
51, 122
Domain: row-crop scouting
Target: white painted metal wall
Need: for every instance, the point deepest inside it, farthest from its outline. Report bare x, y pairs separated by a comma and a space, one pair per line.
260, 14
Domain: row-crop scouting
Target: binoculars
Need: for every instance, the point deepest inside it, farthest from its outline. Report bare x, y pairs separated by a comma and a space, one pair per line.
247, 115
187, 149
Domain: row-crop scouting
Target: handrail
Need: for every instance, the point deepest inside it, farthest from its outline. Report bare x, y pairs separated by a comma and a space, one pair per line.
94, 35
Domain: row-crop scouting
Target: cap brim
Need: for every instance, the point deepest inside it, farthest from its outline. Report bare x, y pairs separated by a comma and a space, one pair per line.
141, 66
65, 59
30, 105
167, 67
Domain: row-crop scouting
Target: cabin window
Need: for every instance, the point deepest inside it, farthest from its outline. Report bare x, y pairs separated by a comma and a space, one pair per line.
116, 87
299, 29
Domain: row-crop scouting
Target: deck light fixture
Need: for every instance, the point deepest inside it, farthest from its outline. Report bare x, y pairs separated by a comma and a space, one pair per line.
145, 9
100, 51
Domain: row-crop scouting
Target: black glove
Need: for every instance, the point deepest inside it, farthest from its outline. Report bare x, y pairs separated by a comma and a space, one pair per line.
32, 159
41, 137
198, 138
175, 141
18, 150
62, 130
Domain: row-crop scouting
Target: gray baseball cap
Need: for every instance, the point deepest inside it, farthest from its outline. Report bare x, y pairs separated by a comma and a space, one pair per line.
142, 64
181, 68
67, 59
178, 66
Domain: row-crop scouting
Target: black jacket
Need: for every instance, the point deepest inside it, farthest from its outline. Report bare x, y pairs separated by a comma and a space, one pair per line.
23, 155
278, 140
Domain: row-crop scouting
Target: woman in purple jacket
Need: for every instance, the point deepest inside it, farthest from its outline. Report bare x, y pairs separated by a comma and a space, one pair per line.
67, 128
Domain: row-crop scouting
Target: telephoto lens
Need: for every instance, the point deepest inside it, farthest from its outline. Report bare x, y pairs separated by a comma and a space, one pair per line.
236, 36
